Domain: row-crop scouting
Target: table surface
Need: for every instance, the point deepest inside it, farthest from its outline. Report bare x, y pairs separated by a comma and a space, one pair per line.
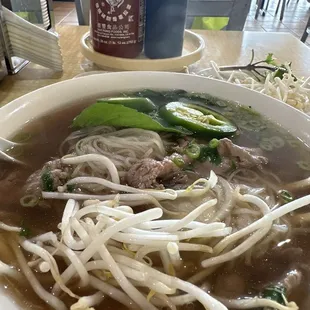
224, 47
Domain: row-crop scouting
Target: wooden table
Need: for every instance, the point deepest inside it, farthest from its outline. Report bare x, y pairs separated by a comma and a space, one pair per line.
224, 47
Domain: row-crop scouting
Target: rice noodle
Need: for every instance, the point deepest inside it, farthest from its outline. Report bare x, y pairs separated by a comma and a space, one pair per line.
103, 160
123, 148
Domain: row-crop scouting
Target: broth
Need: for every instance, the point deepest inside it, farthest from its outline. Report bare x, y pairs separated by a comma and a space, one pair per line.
48, 132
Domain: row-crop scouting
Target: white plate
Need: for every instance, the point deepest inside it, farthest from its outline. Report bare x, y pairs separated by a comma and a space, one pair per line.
192, 51
14, 115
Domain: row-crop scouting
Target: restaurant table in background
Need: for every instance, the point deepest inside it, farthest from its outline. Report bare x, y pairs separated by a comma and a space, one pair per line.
224, 47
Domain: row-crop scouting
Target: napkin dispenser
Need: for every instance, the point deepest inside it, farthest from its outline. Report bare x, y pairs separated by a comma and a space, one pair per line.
3, 70
13, 64
30, 22
37, 12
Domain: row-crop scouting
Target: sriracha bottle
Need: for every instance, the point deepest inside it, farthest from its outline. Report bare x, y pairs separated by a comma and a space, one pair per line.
117, 27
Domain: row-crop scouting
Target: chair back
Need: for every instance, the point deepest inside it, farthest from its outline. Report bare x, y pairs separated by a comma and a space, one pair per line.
236, 10
306, 32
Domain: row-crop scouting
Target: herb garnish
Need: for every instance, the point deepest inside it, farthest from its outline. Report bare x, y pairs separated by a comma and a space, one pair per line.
268, 64
107, 114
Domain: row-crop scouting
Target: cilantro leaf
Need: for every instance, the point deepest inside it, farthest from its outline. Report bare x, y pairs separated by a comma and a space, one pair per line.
47, 181
25, 232
210, 154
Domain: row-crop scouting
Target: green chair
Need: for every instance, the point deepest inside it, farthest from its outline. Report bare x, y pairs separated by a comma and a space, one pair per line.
234, 13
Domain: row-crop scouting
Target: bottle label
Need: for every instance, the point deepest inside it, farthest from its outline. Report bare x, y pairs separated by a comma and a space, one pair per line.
119, 22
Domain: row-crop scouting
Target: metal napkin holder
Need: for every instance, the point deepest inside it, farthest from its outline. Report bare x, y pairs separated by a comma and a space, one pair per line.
10, 64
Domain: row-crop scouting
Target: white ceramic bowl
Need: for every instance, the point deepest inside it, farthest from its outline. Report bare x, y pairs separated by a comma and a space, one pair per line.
46, 100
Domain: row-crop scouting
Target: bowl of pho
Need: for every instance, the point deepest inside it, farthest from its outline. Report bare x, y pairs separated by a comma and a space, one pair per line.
146, 190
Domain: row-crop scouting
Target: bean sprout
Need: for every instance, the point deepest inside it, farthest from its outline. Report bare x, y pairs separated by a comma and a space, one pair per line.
290, 89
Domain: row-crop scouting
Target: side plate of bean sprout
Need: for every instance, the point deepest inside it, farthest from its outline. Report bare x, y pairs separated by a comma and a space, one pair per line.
290, 89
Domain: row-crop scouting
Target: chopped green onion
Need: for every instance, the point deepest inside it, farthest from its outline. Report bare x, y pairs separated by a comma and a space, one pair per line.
286, 196
15, 151
233, 166
189, 167
293, 143
25, 232
29, 201
304, 165
221, 103
275, 293
255, 123
266, 145
210, 154
214, 143
47, 181
248, 110
22, 137
277, 142
228, 114
193, 151
70, 188
178, 161
242, 122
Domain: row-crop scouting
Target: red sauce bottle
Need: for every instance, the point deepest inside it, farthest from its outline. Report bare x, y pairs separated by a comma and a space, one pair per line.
117, 27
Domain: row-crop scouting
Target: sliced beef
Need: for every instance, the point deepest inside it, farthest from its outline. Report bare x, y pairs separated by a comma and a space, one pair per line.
57, 171
232, 156
243, 157
151, 173
33, 184
147, 172
176, 180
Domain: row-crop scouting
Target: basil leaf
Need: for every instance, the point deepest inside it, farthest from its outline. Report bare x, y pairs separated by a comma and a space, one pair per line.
107, 114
